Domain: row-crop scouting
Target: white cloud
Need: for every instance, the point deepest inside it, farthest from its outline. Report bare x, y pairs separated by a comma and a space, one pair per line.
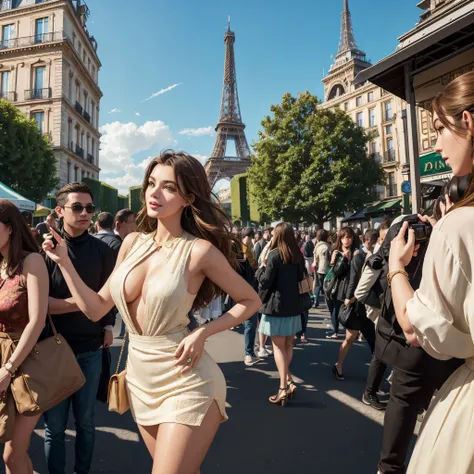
133, 176
137, 114
198, 132
114, 111
201, 158
121, 141
162, 91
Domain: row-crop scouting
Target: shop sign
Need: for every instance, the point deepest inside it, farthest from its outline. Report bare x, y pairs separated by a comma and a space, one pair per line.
432, 163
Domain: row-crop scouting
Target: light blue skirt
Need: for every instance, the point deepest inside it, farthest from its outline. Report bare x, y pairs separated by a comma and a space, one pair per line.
280, 325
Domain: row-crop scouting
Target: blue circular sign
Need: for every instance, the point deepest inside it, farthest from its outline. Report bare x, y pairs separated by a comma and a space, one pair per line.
406, 187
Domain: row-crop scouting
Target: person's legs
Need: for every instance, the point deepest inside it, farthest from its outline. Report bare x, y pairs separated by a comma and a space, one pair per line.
149, 434
351, 336
250, 328
335, 307
55, 422
181, 449
83, 407
375, 376
368, 331
279, 352
15, 453
304, 324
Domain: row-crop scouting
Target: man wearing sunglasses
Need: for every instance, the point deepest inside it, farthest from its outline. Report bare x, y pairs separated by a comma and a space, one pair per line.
93, 260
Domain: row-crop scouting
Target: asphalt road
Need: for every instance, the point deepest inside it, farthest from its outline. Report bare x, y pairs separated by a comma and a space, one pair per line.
325, 430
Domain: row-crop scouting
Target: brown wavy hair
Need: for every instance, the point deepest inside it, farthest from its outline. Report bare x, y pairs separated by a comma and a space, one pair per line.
346, 232
457, 97
284, 240
204, 217
22, 241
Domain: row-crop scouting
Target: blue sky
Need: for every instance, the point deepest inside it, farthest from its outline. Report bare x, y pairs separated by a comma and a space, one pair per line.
172, 53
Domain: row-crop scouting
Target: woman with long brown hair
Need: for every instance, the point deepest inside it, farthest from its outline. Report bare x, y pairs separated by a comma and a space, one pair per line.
343, 251
439, 316
24, 287
179, 260
282, 303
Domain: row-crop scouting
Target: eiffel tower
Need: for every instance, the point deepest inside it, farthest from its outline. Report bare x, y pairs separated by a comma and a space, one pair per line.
230, 125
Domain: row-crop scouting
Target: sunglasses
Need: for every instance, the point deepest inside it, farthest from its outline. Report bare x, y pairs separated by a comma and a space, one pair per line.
78, 208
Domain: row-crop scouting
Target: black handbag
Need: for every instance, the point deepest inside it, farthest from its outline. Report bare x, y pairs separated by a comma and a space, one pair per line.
352, 317
307, 301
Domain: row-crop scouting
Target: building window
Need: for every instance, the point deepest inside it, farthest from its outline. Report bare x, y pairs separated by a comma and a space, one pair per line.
41, 30
70, 88
78, 93
93, 148
39, 117
93, 73
68, 178
93, 114
392, 186
388, 110
5, 85
372, 117
76, 173
360, 119
69, 134
373, 148
346, 106
426, 145
8, 36
40, 77
370, 97
359, 101
388, 130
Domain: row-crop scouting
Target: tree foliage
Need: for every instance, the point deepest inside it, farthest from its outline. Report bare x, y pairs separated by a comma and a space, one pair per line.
27, 162
311, 164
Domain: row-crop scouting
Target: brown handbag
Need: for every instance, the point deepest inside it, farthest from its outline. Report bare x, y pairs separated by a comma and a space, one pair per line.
49, 375
306, 285
117, 395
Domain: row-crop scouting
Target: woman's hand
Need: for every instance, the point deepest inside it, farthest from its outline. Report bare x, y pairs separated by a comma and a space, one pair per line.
402, 251
190, 350
347, 302
5, 380
59, 253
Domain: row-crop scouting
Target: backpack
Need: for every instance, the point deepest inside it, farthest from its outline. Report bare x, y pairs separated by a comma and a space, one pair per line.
308, 249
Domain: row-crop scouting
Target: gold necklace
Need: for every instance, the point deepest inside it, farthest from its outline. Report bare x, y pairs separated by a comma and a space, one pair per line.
167, 243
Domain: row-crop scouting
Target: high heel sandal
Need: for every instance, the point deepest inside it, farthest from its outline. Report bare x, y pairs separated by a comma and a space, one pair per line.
280, 398
291, 389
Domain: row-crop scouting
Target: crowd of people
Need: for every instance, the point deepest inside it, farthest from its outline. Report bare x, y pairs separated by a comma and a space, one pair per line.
406, 288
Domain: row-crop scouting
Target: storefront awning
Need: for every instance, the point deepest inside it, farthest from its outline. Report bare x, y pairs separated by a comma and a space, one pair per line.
384, 207
21, 202
357, 216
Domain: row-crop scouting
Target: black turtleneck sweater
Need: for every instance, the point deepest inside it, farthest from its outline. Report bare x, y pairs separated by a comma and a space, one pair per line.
94, 262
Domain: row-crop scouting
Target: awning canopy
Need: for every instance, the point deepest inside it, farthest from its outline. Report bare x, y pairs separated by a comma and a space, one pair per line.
384, 207
439, 40
21, 202
357, 216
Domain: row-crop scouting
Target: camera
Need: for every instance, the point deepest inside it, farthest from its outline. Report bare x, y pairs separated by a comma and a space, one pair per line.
422, 229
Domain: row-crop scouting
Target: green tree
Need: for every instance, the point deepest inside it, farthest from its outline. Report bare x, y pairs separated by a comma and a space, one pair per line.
311, 164
27, 162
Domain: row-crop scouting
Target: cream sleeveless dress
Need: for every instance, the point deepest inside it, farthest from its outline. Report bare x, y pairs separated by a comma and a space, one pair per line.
158, 392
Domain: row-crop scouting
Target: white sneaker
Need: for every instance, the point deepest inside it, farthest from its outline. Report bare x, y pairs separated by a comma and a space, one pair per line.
249, 360
262, 352
269, 350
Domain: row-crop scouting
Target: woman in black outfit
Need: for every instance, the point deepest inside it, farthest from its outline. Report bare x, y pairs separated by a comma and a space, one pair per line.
343, 252
282, 304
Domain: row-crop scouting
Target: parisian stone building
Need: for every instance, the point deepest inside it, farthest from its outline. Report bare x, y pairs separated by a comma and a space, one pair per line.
382, 114
49, 69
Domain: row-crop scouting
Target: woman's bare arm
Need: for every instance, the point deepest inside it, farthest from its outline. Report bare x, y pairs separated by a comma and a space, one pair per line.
93, 305
37, 284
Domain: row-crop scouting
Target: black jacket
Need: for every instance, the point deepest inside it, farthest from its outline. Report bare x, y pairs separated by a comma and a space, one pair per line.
342, 279
113, 241
258, 248
357, 264
94, 262
281, 282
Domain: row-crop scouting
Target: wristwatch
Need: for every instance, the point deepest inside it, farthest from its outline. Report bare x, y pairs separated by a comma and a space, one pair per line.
10, 368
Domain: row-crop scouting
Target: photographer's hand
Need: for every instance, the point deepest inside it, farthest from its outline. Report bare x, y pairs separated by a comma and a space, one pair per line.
401, 251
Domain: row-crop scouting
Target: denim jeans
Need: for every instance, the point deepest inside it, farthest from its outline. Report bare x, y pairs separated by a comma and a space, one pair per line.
83, 408
334, 306
319, 288
250, 329
304, 323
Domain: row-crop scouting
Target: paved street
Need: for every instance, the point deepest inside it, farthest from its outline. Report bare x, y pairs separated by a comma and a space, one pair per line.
326, 429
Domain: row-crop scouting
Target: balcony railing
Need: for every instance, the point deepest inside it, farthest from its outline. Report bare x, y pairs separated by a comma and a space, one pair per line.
391, 190
11, 96
79, 151
78, 108
90, 158
389, 157
376, 156
87, 116
31, 40
38, 94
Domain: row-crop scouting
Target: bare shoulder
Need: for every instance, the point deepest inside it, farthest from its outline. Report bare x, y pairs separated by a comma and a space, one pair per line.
204, 249
129, 240
33, 263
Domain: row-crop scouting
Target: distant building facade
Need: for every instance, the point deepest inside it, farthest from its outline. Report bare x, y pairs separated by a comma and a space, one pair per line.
49, 69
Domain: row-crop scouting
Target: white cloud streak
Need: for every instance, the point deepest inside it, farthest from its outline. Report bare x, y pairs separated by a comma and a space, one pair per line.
198, 132
114, 111
161, 92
